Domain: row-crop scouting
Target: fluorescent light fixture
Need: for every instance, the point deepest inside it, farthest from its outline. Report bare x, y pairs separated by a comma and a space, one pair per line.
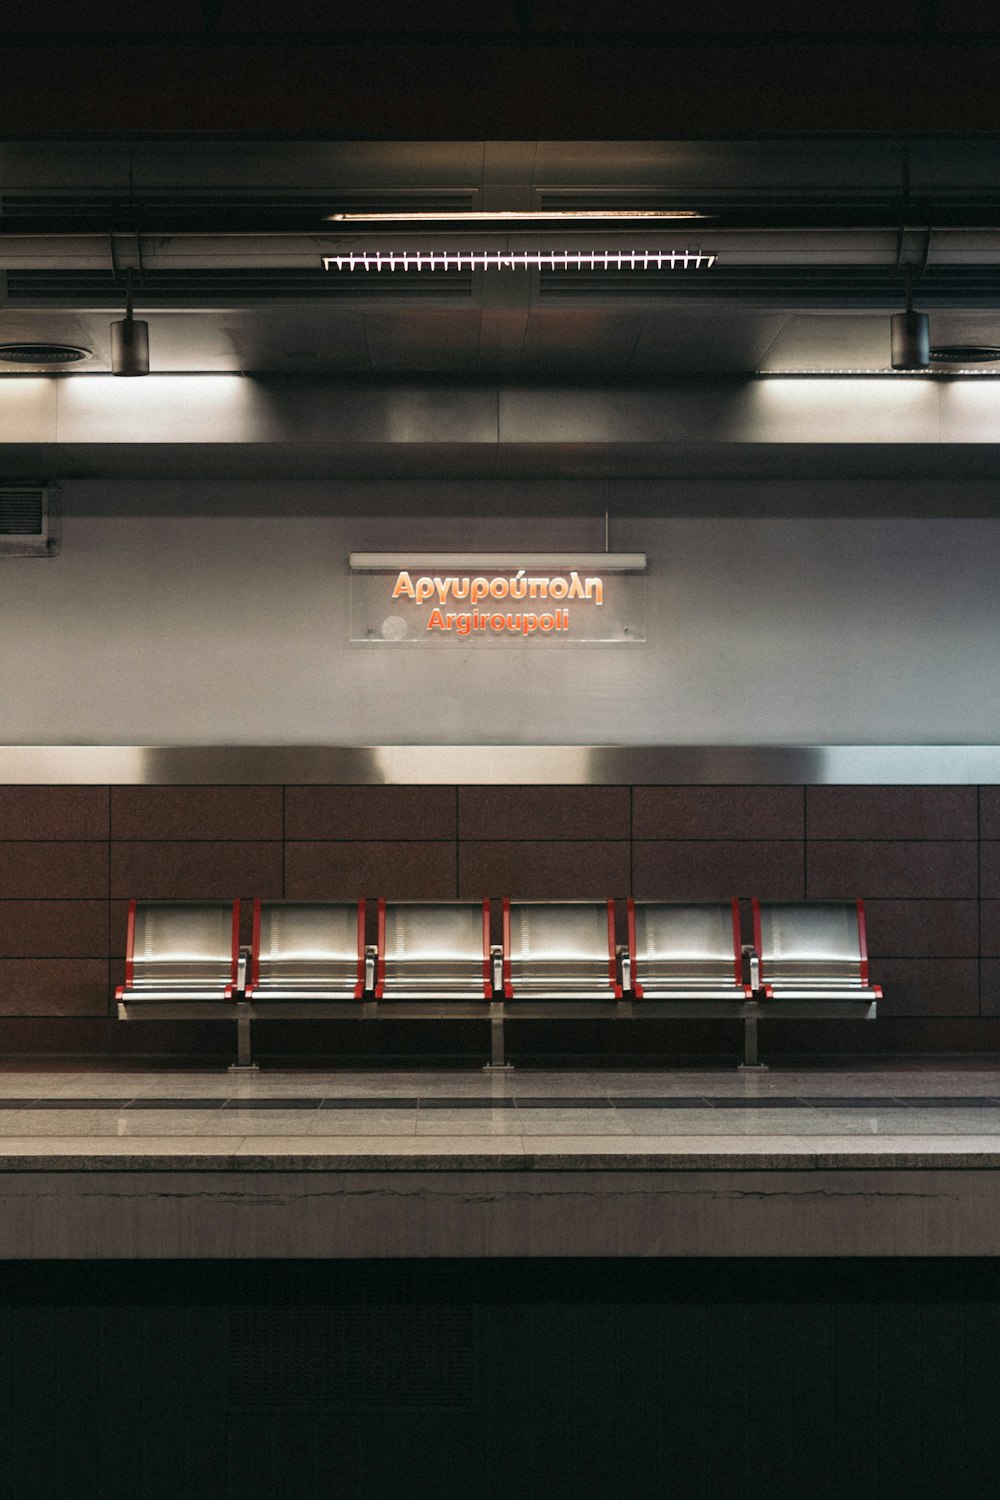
519, 260
500, 562
519, 216
875, 374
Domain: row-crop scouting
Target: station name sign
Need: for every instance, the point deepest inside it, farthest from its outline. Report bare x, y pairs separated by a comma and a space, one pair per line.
478, 598
457, 598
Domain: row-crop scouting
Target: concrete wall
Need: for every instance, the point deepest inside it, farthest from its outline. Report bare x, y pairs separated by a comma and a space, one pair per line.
218, 613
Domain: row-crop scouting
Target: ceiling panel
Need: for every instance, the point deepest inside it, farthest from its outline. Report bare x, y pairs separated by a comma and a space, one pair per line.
47, 327
725, 16
299, 339
47, 17
834, 342
747, 167
258, 301
424, 340
842, 341
432, 16
583, 340
704, 343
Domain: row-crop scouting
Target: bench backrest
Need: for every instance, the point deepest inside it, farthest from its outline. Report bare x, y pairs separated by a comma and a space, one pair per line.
685, 944
811, 942
559, 947
309, 945
434, 948
182, 944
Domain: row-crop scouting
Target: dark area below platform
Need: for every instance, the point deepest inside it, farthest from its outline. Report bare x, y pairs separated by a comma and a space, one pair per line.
451, 1378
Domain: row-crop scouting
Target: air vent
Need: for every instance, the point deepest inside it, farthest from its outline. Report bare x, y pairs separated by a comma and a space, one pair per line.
42, 356
231, 287
842, 286
212, 211
610, 200
24, 521
965, 354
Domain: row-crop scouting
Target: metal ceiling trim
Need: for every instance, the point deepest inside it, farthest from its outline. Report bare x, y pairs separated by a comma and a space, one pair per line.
500, 765
607, 562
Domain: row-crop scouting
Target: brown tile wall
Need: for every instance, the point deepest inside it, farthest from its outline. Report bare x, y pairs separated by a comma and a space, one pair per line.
926, 860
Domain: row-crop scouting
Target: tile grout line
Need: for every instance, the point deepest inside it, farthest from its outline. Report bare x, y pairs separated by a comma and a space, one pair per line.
111, 1012
631, 840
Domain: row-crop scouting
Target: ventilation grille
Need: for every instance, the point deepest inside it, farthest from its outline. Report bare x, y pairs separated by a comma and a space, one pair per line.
24, 521
795, 286
614, 200
212, 210
800, 286
232, 287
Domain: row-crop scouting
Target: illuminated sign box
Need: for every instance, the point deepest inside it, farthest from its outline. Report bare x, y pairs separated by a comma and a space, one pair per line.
498, 599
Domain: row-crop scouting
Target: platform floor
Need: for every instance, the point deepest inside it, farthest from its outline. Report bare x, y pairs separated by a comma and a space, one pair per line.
907, 1114
143, 1163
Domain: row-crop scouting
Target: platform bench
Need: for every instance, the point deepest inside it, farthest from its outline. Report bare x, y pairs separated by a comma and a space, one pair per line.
520, 959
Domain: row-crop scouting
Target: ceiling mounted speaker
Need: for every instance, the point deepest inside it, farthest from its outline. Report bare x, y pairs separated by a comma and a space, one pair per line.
911, 340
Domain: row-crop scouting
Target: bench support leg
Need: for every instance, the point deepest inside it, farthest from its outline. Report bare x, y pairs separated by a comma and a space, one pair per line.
751, 1059
497, 1062
244, 1062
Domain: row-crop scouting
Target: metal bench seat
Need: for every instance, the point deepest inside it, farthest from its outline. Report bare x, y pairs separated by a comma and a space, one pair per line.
558, 958
435, 950
181, 951
685, 951
813, 951
559, 950
309, 951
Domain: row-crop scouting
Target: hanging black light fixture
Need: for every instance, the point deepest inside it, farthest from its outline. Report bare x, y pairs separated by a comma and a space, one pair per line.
911, 331
129, 339
911, 334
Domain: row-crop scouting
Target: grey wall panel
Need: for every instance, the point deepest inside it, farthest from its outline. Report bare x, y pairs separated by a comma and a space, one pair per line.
162, 408
235, 409
28, 410
225, 629
274, 412
968, 411
738, 411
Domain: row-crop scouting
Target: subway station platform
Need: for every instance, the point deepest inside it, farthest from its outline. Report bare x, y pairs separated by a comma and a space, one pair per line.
861, 1161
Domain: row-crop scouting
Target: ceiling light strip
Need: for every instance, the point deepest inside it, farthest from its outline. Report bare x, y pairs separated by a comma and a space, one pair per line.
858, 374
516, 215
518, 260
